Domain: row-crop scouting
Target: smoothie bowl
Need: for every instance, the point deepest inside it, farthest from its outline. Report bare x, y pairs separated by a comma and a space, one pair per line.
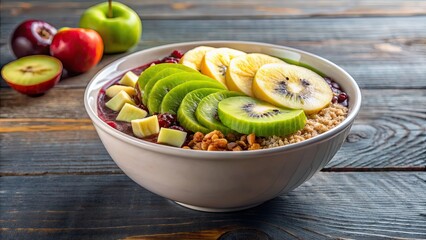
222, 125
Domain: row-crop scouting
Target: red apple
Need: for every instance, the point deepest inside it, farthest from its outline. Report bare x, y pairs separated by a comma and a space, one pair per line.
79, 49
32, 75
32, 37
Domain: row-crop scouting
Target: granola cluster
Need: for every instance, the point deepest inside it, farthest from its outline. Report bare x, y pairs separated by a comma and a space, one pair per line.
217, 141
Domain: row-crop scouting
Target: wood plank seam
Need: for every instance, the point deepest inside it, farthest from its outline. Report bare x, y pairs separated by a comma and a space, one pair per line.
42, 124
119, 172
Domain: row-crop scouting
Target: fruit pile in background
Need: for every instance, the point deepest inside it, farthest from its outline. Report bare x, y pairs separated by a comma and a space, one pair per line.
43, 51
216, 90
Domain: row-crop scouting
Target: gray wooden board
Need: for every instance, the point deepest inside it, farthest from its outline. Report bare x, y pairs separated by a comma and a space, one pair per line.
53, 185
153, 9
330, 205
377, 54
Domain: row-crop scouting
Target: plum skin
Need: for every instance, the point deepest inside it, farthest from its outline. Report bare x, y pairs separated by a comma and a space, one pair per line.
38, 89
32, 37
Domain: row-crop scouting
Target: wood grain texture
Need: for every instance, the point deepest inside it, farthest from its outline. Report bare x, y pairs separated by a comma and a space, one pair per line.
29, 125
58, 182
195, 9
389, 124
376, 54
390, 131
330, 205
56, 103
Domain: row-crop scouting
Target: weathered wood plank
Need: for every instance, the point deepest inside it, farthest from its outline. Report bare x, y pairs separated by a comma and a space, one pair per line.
44, 125
388, 126
389, 132
330, 205
269, 30
373, 52
56, 103
54, 152
195, 9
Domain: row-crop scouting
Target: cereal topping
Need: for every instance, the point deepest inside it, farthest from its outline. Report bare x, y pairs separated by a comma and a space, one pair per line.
316, 124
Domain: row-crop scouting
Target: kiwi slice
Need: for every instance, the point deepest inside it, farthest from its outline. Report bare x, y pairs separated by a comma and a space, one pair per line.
186, 112
206, 112
248, 115
174, 97
152, 70
164, 85
152, 81
291, 86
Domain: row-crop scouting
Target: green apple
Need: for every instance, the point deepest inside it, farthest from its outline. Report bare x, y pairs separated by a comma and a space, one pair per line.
119, 26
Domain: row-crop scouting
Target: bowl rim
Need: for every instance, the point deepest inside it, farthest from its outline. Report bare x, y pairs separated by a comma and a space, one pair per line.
220, 154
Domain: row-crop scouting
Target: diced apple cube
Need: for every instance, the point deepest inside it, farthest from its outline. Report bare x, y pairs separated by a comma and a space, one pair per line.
171, 137
146, 126
129, 112
114, 89
118, 101
129, 79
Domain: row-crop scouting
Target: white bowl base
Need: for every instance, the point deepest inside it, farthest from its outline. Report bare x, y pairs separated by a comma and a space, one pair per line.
204, 209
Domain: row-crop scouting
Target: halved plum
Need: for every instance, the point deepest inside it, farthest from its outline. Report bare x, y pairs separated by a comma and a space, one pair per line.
32, 75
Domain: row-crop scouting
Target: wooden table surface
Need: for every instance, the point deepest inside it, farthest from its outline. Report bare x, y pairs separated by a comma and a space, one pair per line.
58, 182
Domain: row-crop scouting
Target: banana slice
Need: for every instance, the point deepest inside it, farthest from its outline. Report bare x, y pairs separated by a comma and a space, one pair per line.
292, 86
216, 62
194, 57
242, 69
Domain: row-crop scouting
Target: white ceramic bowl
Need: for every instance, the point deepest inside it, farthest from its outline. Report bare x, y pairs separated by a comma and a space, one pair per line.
220, 181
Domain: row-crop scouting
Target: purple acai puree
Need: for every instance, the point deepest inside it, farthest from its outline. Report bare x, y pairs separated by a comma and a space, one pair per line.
108, 116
